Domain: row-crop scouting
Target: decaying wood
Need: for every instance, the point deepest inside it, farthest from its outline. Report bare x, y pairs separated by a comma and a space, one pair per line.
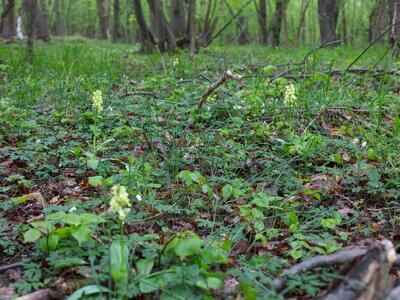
369, 278
227, 75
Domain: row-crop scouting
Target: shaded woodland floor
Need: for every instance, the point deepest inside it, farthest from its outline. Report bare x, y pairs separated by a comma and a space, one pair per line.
224, 197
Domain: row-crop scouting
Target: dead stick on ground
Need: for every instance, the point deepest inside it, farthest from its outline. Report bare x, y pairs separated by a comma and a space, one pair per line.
337, 258
227, 75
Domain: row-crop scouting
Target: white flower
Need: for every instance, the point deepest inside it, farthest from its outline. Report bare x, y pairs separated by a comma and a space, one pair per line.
139, 198
290, 94
120, 202
72, 209
356, 141
97, 99
364, 144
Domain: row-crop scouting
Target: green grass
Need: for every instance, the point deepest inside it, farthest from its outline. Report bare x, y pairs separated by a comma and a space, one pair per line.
258, 183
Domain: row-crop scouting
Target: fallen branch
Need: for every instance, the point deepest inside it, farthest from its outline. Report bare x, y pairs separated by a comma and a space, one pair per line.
338, 258
10, 266
384, 250
227, 75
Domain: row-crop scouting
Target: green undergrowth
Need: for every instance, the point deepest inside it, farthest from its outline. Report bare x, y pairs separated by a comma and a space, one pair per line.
268, 172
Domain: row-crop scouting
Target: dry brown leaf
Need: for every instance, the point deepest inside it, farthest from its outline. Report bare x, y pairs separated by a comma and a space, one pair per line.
37, 197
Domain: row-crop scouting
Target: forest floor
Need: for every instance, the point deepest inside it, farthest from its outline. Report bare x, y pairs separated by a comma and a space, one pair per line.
271, 170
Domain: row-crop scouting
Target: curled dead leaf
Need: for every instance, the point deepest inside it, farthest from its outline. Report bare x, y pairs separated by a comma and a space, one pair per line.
36, 197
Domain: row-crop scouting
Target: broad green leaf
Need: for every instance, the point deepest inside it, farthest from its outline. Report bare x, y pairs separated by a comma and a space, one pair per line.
72, 219
144, 266
86, 291
63, 232
93, 163
57, 216
148, 285
96, 181
49, 243
32, 235
81, 233
214, 283
188, 246
249, 291
227, 191
119, 256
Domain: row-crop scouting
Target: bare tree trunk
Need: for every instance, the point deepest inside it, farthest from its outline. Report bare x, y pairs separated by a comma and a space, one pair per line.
103, 10
165, 37
328, 11
395, 30
279, 14
377, 20
42, 21
344, 22
300, 29
192, 26
117, 32
177, 16
146, 38
57, 21
30, 9
262, 21
243, 36
210, 23
8, 20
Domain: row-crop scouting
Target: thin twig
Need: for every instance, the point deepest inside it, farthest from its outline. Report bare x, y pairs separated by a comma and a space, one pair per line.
371, 44
227, 75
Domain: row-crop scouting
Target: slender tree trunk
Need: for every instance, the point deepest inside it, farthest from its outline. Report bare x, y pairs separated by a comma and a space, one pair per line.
117, 32
8, 20
177, 16
30, 9
243, 36
262, 21
57, 21
209, 22
377, 20
192, 26
42, 21
395, 23
165, 37
328, 11
300, 29
146, 38
276, 27
344, 23
103, 10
